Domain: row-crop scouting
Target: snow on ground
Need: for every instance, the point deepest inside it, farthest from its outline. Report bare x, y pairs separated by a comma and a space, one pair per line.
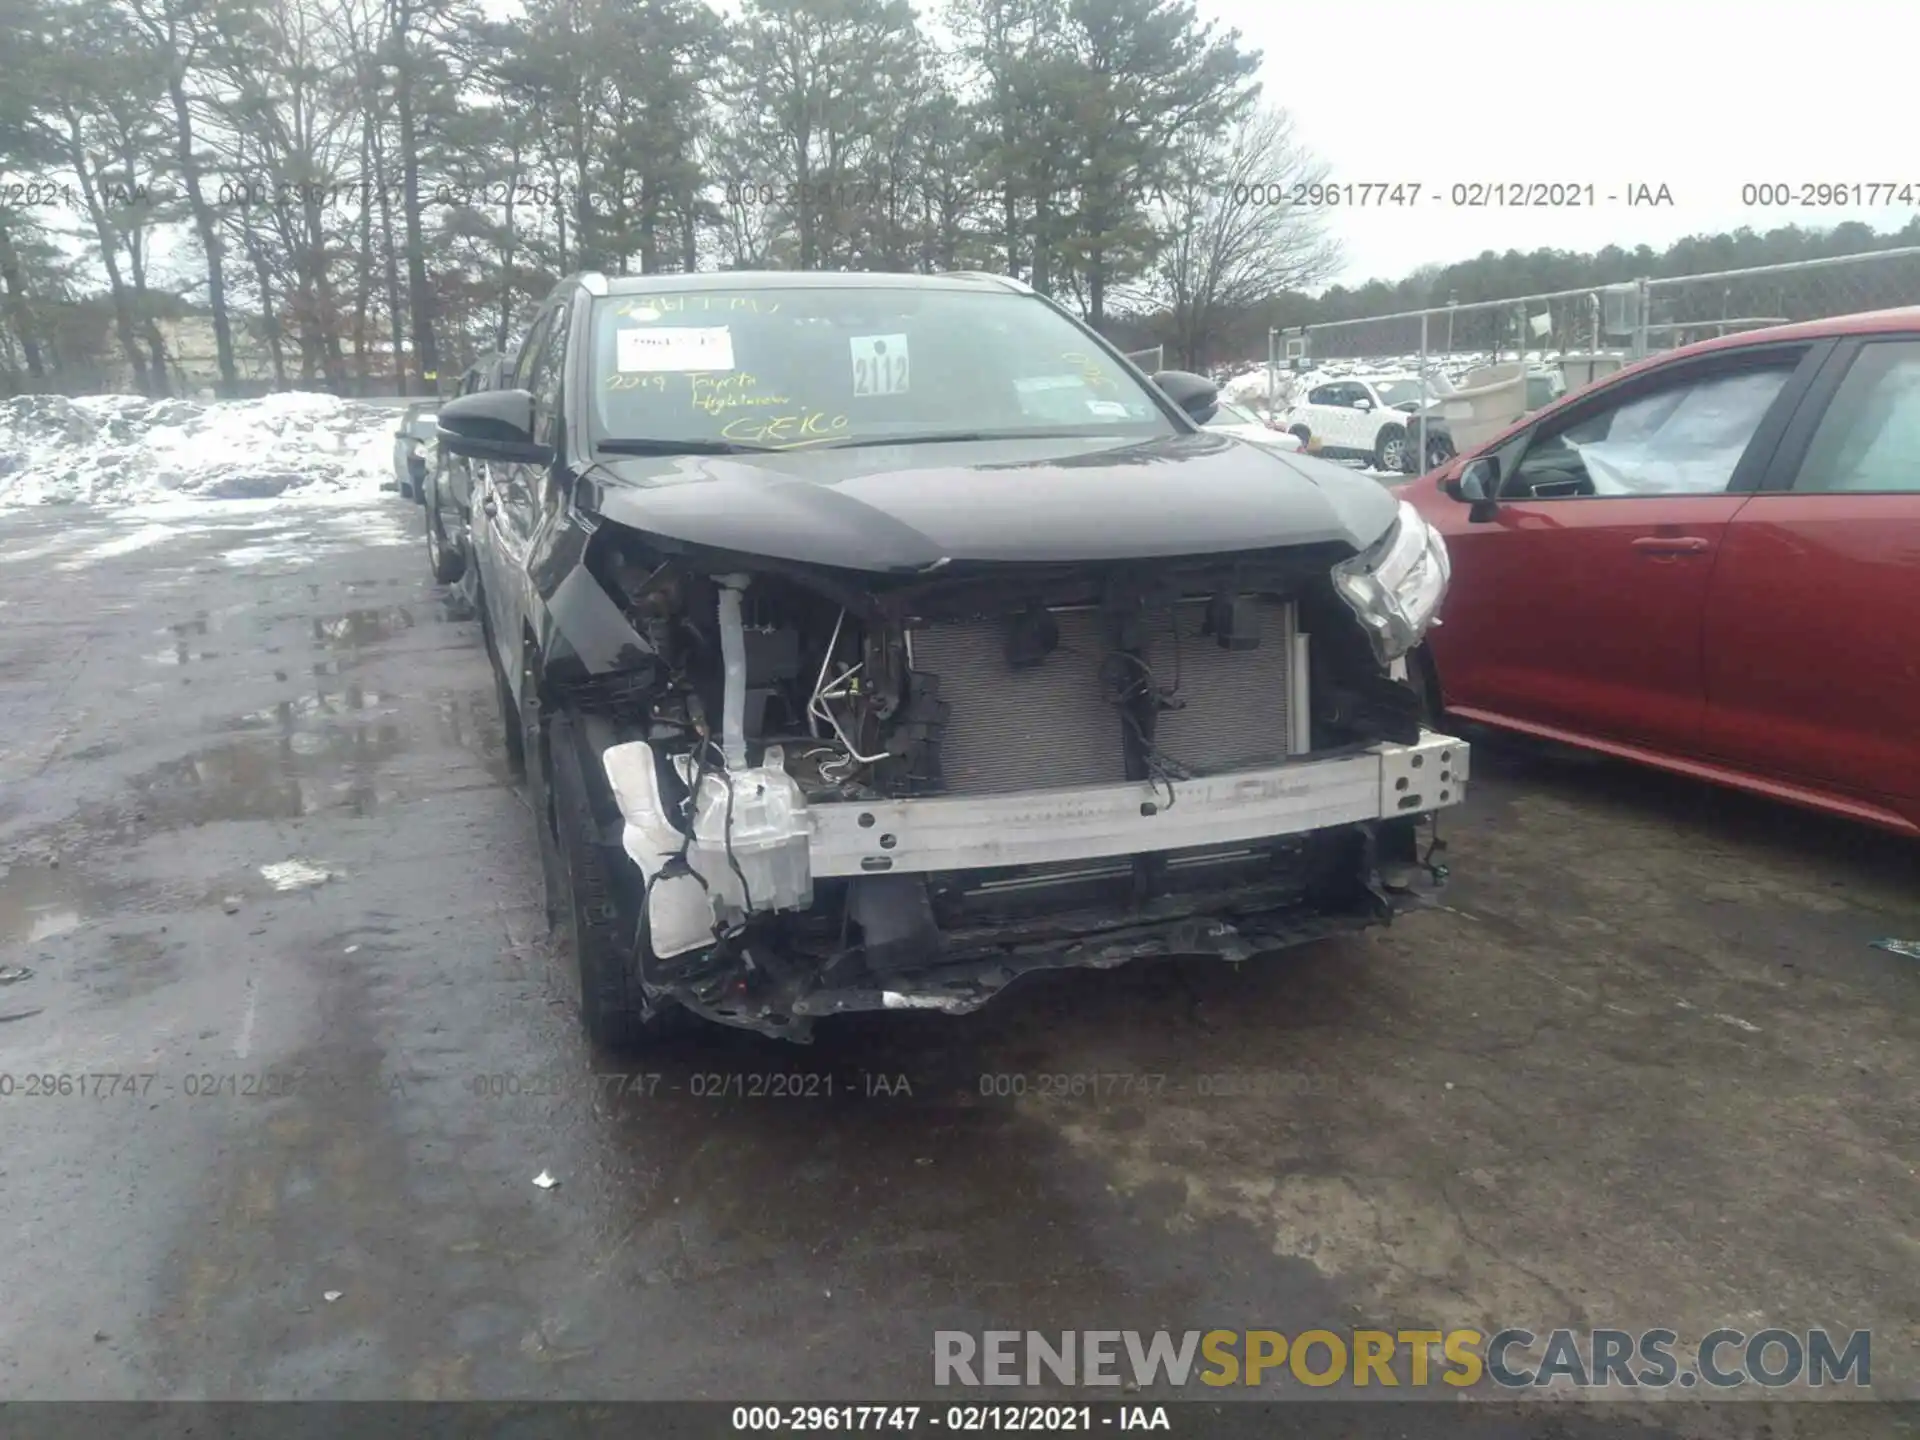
121, 451
281, 536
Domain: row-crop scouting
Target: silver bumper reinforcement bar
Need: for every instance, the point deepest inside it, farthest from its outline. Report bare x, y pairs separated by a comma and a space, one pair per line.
1040, 826
757, 845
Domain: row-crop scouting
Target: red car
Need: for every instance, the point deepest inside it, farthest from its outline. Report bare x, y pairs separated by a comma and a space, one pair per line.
1708, 562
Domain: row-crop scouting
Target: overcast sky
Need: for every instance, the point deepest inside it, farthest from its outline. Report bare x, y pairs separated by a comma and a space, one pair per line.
1701, 95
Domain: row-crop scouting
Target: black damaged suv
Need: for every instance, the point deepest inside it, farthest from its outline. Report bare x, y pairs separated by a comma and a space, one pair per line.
869, 641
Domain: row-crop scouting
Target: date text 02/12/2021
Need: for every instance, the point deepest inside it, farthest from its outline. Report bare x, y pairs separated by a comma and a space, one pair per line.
961, 1419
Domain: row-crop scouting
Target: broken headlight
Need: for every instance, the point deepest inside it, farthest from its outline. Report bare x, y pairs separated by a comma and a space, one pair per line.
1396, 585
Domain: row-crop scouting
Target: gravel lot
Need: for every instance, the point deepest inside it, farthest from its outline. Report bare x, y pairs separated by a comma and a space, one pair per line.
1645, 1069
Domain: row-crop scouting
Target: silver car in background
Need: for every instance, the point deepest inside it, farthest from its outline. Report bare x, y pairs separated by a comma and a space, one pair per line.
416, 431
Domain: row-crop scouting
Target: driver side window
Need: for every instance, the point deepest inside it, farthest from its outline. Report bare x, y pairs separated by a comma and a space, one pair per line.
530, 351
1682, 439
546, 377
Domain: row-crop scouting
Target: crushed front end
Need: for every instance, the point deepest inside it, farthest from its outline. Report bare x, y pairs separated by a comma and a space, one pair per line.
840, 790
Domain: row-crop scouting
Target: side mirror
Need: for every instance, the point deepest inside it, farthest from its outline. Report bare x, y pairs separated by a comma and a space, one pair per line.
1479, 486
492, 425
1363, 404
1195, 394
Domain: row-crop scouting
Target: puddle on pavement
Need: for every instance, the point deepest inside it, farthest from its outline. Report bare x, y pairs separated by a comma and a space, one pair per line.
468, 719
339, 665
361, 627
133, 964
290, 717
39, 902
184, 648
280, 778
181, 653
355, 630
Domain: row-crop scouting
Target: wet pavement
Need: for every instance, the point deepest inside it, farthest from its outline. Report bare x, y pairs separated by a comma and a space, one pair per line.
294, 1029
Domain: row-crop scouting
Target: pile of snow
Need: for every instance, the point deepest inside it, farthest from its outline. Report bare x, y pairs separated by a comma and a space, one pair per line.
118, 450
1288, 386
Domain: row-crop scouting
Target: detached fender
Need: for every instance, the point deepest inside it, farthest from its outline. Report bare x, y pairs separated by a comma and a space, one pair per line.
581, 630
584, 624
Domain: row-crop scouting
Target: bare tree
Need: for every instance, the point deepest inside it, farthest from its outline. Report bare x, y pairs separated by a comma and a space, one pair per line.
1232, 237
295, 136
177, 31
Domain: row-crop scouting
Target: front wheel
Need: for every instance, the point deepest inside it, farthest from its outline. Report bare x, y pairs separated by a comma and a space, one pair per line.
1439, 451
614, 1009
1389, 448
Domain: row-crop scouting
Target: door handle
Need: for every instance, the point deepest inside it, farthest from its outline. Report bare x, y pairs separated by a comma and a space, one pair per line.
1671, 544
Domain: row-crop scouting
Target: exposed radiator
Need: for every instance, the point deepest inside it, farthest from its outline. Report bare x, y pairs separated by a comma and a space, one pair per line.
1023, 729
1053, 725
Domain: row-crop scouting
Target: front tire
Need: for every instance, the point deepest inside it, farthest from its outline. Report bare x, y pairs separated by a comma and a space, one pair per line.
1439, 451
1389, 447
614, 1010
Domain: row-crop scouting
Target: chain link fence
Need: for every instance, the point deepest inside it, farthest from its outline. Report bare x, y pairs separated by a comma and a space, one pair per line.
1693, 307
1587, 333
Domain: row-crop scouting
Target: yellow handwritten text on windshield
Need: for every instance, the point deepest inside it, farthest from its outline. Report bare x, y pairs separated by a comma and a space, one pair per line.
637, 382
1090, 370
652, 307
717, 394
786, 432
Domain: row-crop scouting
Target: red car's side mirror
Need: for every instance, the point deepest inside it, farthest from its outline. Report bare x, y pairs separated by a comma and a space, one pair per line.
1478, 485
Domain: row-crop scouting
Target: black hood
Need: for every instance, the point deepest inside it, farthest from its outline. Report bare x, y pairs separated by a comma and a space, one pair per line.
906, 507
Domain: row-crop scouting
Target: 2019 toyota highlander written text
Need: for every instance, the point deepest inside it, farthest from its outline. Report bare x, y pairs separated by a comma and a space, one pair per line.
872, 640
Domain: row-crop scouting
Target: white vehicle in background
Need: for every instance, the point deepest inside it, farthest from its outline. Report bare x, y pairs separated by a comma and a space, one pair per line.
411, 454
1243, 424
1361, 417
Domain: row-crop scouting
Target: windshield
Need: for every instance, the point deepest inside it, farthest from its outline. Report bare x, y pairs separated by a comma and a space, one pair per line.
1397, 392
783, 369
1543, 389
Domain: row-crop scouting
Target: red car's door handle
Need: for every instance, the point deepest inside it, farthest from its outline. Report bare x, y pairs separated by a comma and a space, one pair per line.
1671, 544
